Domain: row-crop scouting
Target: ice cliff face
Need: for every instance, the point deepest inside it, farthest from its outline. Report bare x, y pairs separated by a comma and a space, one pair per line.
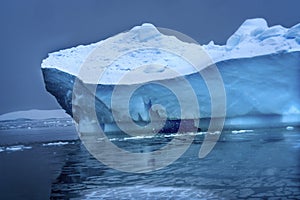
259, 65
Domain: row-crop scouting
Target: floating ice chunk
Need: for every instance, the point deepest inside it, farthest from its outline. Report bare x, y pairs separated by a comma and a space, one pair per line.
241, 131
17, 148
56, 144
289, 128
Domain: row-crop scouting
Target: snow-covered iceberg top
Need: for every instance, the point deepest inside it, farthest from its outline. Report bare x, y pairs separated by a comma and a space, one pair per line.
256, 38
143, 50
253, 38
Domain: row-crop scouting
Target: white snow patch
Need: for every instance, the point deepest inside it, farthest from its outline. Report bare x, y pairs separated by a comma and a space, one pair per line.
140, 50
253, 38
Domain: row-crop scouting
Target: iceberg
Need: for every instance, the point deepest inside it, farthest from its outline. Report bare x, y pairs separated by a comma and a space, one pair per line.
259, 66
34, 115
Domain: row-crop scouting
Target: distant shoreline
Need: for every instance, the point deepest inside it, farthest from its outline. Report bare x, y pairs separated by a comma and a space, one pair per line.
34, 114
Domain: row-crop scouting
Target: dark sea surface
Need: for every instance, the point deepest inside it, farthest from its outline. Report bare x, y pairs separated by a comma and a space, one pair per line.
245, 164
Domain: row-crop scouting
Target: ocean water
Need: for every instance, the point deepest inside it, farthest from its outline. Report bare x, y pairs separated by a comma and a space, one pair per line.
245, 164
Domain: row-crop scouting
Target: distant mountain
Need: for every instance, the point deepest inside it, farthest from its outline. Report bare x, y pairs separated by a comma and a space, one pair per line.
34, 114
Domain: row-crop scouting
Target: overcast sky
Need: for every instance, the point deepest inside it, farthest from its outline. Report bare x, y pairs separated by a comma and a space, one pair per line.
30, 29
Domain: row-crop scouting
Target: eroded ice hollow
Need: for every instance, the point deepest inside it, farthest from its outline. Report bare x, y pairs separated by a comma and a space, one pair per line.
260, 67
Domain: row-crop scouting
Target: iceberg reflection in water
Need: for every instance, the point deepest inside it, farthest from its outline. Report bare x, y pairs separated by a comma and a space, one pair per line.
245, 163
255, 163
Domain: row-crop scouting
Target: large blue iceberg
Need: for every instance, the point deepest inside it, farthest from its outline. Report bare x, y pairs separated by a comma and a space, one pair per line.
259, 65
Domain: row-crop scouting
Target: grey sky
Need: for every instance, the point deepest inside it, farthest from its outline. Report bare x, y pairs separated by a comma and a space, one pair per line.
32, 28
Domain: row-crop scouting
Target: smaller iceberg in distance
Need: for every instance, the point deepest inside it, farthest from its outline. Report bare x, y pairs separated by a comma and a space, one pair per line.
259, 65
35, 119
34, 115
